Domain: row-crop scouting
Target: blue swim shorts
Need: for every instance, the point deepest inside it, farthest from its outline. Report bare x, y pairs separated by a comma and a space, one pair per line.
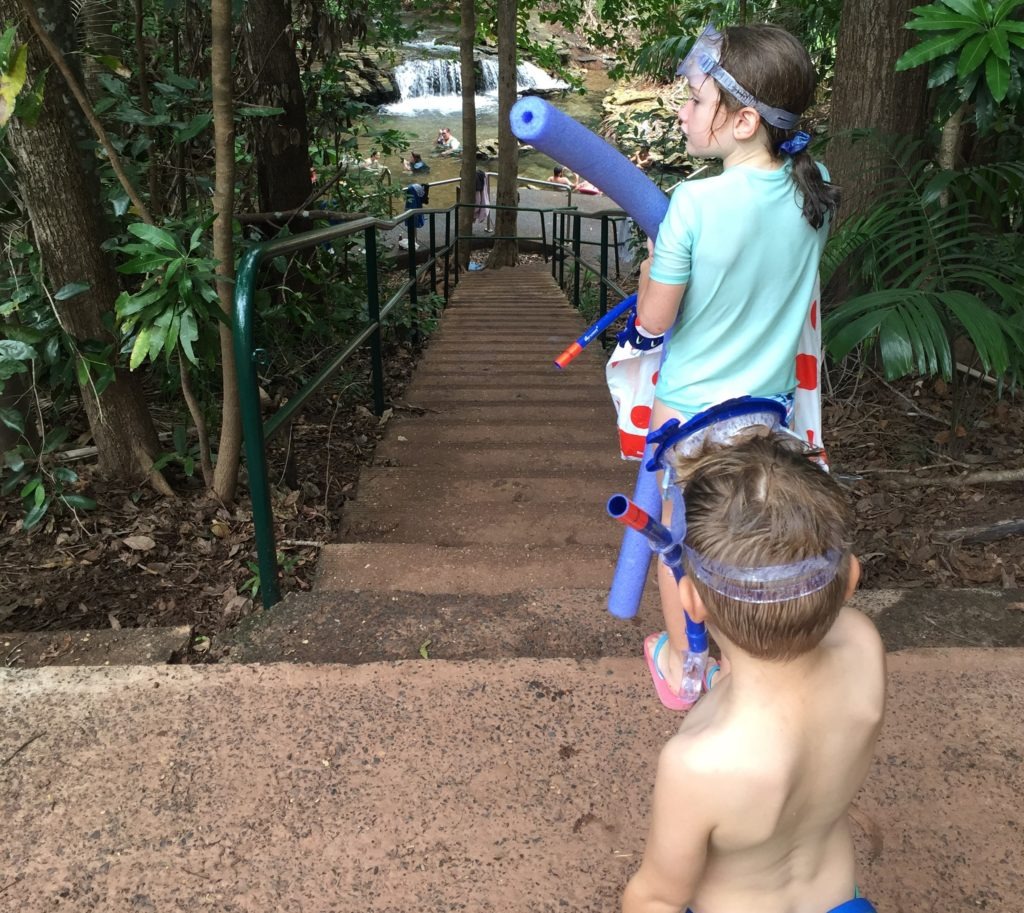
857, 905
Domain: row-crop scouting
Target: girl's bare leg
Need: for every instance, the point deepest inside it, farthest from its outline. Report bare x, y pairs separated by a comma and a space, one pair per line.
670, 661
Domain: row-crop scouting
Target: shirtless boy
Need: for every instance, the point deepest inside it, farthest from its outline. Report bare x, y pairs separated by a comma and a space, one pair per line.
751, 795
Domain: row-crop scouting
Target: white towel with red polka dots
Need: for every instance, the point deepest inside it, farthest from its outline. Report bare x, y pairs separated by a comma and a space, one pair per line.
632, 375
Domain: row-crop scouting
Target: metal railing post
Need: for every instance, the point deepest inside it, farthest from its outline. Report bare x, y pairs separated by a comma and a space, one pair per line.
554, 245
373, 311
576, 228
413, 296
433, 263
246, 361
447, 252
602, 294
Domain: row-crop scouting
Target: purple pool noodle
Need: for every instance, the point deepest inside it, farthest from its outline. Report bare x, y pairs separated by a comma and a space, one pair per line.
568, 142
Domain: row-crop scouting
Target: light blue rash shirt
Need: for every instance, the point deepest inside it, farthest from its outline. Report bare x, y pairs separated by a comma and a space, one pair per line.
749, 259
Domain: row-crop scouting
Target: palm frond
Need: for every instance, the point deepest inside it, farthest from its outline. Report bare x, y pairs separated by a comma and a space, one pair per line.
922, 265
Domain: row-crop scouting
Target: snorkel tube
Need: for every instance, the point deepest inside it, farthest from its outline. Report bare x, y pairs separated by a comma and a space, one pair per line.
671, 552
554, 133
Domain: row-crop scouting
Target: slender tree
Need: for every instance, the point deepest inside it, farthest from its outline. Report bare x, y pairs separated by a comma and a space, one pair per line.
225, 479
505, 252
467, 40
60, 196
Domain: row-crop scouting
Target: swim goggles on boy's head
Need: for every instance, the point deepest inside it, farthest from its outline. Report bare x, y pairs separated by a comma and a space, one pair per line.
719, 424
704, 58
763, 585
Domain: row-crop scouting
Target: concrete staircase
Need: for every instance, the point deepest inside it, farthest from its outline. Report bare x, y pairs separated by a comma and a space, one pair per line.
480, 525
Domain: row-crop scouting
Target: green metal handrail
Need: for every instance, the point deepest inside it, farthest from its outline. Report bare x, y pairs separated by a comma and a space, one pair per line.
249, 358
565, 247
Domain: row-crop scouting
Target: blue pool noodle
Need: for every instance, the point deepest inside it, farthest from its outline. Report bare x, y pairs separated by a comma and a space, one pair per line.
568, 142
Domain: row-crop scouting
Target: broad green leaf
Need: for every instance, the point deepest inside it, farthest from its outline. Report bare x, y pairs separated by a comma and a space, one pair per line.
114, 64
55, 439
37, 512
157, 337
932, 48
82, 372
1004, 9
895, 346
999, 44
193, 128
65, 475
15, 350
6, 43
71, 290
964, 7
943, 20
30, 104
14, 460
12, 419
139, 350
997, 75
12, 80
257, 111
120, 204
188, 334
983, 326
155, 236
972, 56
78, 502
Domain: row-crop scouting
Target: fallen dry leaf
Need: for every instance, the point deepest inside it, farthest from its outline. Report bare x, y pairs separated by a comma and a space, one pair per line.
139, 543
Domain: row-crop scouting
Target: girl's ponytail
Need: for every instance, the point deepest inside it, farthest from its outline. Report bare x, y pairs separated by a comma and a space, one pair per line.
820, 199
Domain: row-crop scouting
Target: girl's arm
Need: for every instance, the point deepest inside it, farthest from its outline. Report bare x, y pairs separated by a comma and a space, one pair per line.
677, 845
657, 304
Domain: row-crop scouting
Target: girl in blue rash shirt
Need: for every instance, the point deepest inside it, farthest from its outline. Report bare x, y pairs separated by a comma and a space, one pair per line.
736, 261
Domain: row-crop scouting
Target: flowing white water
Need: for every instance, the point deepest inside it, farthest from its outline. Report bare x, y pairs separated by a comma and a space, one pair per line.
435, 86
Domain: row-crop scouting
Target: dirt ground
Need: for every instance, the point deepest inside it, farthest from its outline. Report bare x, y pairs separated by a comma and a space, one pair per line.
142, 560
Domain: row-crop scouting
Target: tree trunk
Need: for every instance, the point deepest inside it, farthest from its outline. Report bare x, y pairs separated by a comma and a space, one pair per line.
225, 477
868, 93
68, 231
98, 22
282, 142
505, 253
467, 35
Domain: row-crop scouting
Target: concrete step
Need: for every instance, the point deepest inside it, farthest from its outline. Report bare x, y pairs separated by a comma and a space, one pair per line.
501, 460
416, 434
106, 647
451, 522
515, 413
541, 370
421, 395
486, 570
319, 627
384, 488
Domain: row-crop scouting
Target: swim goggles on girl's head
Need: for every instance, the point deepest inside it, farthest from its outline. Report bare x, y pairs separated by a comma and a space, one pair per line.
704, 58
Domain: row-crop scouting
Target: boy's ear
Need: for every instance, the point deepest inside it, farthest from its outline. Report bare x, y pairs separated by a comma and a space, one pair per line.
851, 584
746, 124
691, 600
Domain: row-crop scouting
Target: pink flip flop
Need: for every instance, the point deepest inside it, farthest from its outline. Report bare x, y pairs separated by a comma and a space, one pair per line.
652, 647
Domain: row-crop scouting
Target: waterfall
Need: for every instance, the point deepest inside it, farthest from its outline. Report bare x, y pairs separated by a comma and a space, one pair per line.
435, 84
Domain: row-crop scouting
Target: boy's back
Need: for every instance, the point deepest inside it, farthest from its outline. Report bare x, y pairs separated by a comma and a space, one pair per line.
779, 759
751, 798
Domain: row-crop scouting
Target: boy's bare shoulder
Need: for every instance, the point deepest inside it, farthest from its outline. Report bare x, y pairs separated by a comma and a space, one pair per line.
854, 632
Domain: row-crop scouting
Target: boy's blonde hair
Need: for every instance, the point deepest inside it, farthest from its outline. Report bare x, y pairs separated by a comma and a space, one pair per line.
762, 503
